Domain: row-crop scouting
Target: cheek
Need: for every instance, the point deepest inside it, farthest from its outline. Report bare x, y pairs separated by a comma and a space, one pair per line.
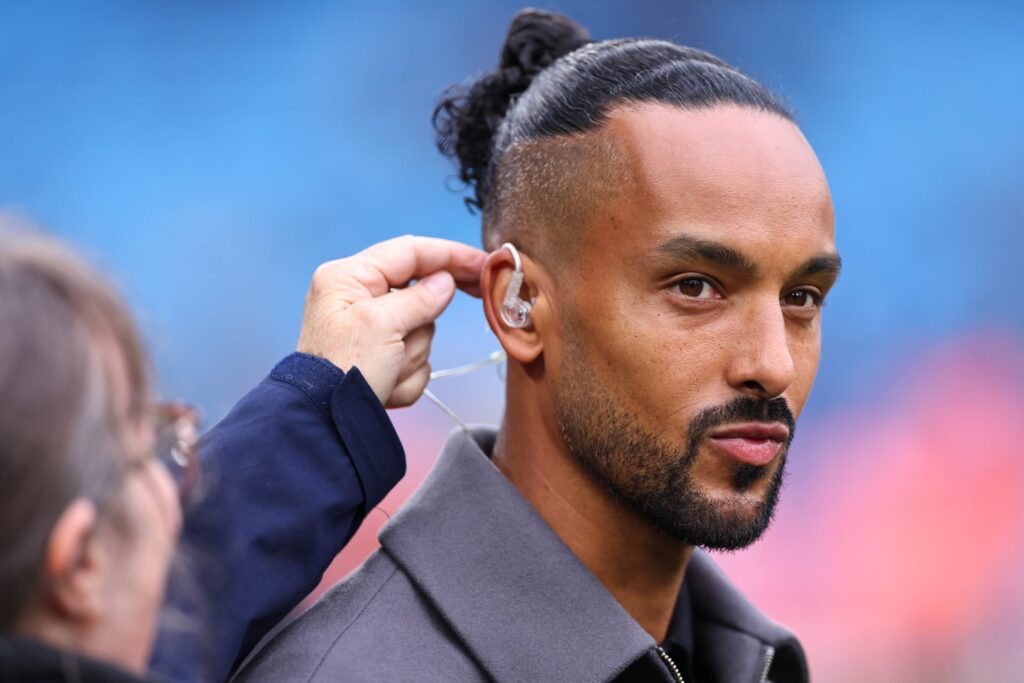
682, 369
806, 352
143, 549
167, 504
158, 516
662, 364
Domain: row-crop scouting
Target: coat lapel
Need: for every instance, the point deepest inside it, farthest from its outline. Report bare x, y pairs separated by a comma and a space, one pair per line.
516, 595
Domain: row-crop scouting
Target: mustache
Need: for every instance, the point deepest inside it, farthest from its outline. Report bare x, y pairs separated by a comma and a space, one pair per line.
742, 409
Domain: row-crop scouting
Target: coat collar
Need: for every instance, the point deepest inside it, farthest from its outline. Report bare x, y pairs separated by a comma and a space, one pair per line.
506, 583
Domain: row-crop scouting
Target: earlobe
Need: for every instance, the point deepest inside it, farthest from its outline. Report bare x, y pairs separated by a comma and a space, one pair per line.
69, 562
510, 303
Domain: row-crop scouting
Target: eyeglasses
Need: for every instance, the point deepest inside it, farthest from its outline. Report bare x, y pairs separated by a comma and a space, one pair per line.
176, 427
177, 433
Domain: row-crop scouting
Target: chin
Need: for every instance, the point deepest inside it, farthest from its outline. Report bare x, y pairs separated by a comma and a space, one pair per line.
734, 503
727, 513
734, 495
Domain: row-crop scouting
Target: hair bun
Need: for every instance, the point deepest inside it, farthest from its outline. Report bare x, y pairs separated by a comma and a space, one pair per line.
467, 118
535, 39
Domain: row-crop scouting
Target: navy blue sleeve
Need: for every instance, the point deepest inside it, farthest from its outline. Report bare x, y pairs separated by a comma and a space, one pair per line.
287, 477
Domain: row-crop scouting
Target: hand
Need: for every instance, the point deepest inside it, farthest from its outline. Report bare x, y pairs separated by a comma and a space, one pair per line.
352, 318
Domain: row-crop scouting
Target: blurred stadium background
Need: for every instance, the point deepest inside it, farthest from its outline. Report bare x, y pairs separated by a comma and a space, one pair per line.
211, 154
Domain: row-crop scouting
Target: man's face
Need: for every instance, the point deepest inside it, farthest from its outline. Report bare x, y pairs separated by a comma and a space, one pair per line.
691, 329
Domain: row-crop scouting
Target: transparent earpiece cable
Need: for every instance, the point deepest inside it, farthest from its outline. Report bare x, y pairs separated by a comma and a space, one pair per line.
495, 358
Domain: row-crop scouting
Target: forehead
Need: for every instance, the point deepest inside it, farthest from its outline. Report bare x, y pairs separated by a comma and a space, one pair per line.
728, 173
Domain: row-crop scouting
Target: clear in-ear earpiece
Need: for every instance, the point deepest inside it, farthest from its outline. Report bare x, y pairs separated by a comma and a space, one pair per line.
515, 312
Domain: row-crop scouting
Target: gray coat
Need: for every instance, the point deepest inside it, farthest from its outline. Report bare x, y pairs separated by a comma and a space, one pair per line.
470, 584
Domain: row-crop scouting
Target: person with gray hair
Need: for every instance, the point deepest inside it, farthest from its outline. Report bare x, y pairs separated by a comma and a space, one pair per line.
88, 520
90, 517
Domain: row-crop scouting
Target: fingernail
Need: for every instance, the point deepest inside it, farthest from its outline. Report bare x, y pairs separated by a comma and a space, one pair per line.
439, 283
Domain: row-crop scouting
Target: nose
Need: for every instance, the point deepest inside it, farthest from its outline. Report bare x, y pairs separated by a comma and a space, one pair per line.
762, 366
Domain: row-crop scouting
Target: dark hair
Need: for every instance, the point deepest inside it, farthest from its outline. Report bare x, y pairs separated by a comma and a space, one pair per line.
553, 80
60, 426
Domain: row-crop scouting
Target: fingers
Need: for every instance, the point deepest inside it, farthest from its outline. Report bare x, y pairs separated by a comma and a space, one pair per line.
417, 351
410, 389
352, 317
415, 373
399, 260
419, 305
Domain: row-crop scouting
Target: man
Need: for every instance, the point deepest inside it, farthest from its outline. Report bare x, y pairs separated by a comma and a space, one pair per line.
676, 239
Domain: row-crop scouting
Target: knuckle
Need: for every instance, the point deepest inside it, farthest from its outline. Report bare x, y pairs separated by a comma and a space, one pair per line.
398, 243
323, 271
321, 276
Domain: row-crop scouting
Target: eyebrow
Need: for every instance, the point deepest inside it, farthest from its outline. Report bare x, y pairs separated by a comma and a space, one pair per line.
686, 247
709, 251
829, 264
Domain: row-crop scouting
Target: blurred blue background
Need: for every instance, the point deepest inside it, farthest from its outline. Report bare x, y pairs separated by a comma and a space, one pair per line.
210, 155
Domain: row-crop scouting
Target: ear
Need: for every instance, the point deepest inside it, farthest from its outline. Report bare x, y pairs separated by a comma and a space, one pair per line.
73, 565
524, 344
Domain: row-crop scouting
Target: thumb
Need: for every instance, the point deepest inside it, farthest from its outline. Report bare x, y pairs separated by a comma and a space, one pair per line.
420, 304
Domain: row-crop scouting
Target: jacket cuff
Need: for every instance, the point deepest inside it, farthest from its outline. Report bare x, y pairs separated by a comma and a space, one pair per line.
314, 376
362, 423
369, 436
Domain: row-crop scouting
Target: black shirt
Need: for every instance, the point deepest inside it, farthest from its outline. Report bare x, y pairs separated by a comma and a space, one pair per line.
679, 641
678, 645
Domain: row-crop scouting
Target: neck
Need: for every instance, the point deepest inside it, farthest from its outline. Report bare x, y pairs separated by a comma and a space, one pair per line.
641, 566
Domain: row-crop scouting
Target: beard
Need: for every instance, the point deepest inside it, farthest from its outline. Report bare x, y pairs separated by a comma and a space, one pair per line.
654, 477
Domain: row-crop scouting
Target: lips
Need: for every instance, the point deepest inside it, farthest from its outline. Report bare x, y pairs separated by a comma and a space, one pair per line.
754, 443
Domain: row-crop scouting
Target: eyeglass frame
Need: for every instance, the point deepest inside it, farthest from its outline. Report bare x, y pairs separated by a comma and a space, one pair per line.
175, 447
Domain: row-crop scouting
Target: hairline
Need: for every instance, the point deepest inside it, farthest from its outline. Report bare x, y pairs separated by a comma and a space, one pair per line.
539, 242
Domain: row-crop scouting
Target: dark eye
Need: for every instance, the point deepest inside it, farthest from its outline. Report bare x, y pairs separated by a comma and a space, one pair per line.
802, 298
697, 288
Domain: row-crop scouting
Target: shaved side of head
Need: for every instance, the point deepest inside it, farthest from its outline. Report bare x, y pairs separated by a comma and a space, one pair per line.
545, 193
